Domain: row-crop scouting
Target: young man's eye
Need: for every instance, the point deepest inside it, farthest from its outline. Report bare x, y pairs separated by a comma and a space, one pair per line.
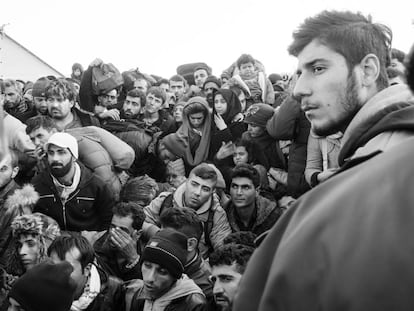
318, 69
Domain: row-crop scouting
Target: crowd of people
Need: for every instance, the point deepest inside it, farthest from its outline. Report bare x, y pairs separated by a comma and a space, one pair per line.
244, 191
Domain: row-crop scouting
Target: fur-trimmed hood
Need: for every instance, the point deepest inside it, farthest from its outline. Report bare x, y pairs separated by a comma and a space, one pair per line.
27, 196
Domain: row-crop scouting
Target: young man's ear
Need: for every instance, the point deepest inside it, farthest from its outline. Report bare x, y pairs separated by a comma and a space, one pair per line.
370, 66
191, 244
15, 171
136, 234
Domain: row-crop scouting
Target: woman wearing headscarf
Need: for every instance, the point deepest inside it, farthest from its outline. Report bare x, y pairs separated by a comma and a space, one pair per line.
228, 120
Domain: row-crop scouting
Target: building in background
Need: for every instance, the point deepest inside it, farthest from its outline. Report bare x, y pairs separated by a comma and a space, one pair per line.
17, 62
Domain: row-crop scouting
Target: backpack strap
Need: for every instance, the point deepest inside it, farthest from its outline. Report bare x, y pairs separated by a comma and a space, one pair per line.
208, 227
167, 203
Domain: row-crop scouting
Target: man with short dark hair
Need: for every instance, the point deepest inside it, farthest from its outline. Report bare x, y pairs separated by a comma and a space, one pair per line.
227, 267
13, 100
95, 289
118, 250
335, 247
178, 86
163, 285
247, 210
196, 193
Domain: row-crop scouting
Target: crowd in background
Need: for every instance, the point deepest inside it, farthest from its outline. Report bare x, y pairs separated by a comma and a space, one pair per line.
131, 191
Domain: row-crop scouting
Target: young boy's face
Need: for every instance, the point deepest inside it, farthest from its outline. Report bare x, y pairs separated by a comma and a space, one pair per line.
153, 103
247, 68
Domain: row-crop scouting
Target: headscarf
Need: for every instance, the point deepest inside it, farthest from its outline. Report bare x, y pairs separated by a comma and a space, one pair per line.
233, 104
185, 132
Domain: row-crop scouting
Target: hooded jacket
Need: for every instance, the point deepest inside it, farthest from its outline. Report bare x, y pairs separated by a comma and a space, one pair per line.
267, 213
220, 228
184, 295
347, 244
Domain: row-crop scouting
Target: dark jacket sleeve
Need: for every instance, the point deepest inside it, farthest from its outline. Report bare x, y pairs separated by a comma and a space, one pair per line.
282, 126
87, 99
104, 203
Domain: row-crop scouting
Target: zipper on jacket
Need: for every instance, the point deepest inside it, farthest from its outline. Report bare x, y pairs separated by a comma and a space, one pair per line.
64, 207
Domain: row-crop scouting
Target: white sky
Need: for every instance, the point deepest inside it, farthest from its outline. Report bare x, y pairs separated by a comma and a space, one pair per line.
158, 35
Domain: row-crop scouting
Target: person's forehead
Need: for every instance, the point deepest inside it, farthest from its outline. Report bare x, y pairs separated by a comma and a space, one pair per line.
197, 115
153, 95
225, 270
112, 93
204, 182
241, 181
140, 82
134, 99
10, 89
240, 149
39, 130
211, 85
122, 221
176, 83
23, 237
200, 71
316, 51
56, 148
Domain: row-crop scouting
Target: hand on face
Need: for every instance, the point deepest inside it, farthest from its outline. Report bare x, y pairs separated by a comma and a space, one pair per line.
124, 242
218, 119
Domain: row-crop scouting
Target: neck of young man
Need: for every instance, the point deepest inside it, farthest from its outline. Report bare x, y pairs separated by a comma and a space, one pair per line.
246, 212
62, 123
152, 117
67, 179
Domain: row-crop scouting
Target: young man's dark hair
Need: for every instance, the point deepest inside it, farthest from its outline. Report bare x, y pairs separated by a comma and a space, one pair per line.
157, 92
124, 209
247, 171
338, 29
37, 122
246, 238
179, 78
140, 190
230, 254
205, 171
184, 220
67, 242
410, 69
61, 88
137, 93
244, 59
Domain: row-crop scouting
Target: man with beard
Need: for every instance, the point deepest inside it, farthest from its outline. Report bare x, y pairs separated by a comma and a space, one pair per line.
210, 86
69, 192
227, 267
13, 100
118, 250
60, 97
347, 243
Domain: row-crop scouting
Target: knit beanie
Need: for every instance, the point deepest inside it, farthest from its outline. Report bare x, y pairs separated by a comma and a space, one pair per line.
167, 248
47, 286
213, 79
39, 87
175, 144
258, 114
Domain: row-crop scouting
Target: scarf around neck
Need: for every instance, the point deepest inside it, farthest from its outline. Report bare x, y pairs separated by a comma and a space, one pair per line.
91, 290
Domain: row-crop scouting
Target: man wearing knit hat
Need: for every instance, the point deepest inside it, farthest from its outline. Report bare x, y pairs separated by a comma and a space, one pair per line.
47, 286
69, 192
164, 287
